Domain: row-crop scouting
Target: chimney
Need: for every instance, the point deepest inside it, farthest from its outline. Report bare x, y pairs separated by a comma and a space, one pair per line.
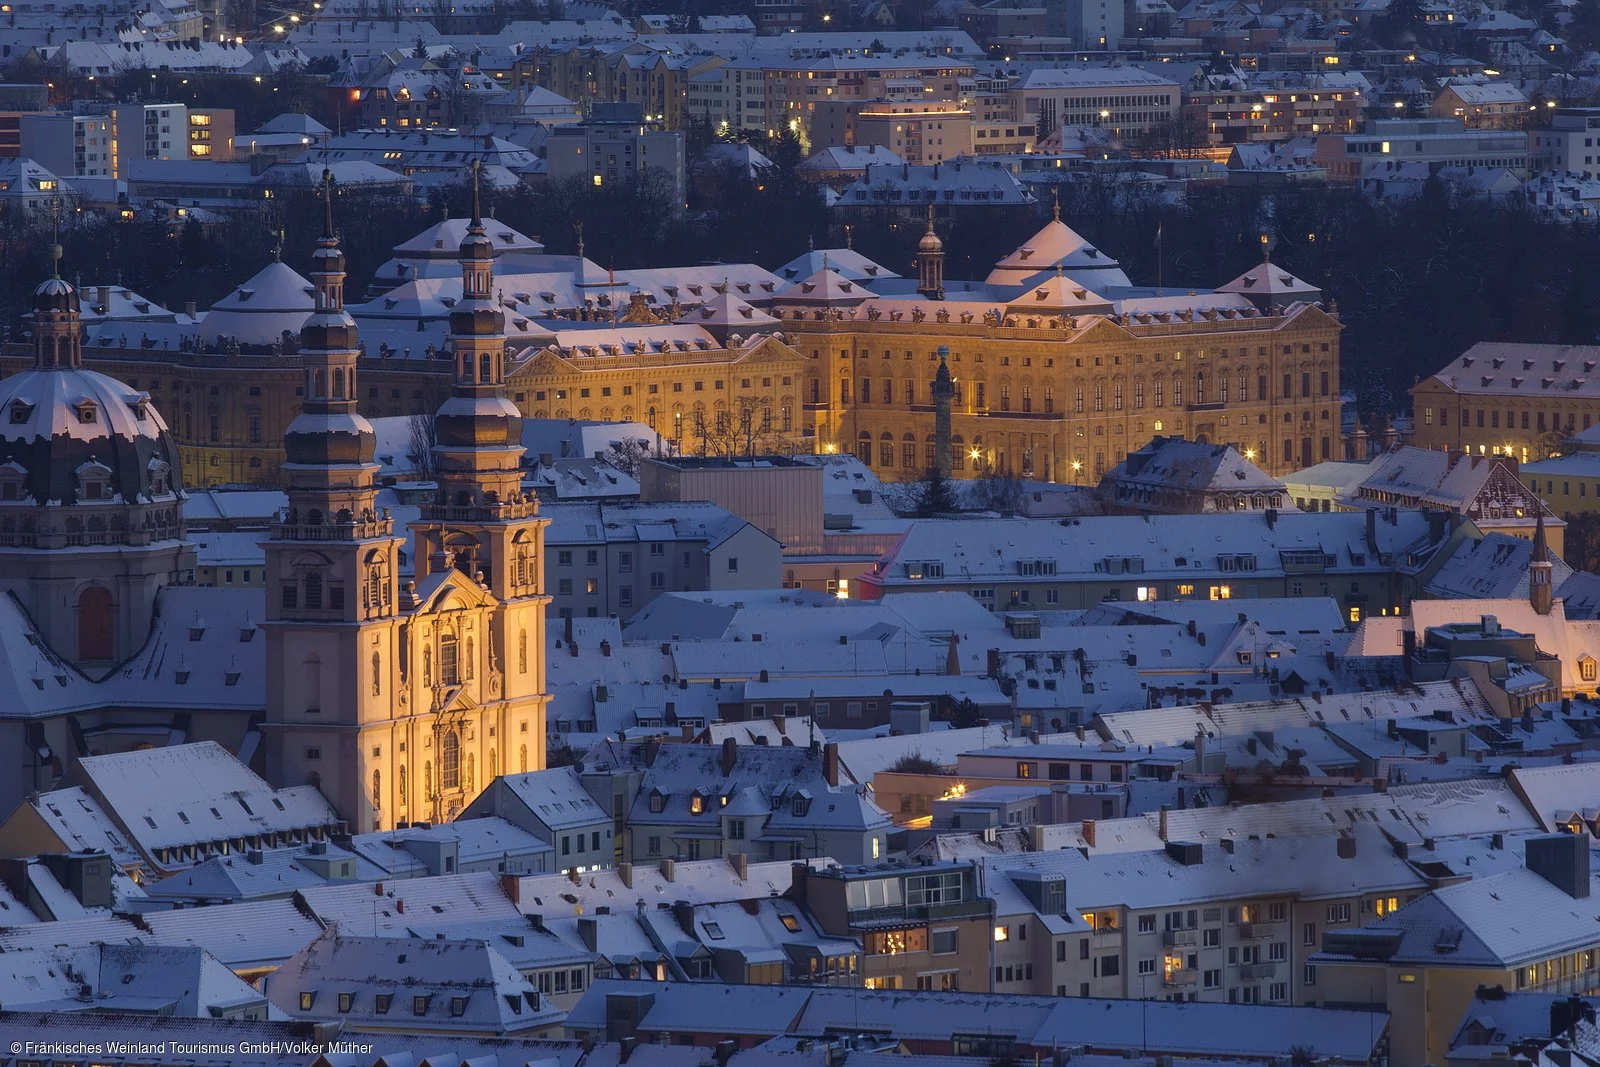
1227, 845
1408, 644
1568, 1013
605, 648
994, 663
190, 308
1163, 828
1346, 847
652, 749
730, 755
741, 865
1272, 518
1372, 530
102, 297
669, 870
1562, 860
625, 873
1088, 832
830, 763
400, 905
511, 886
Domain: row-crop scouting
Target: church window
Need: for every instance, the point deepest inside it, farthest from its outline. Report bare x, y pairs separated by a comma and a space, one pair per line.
450, 762
400, 784
313, 590
336, 595
377, 790
374, 588
427, 666
377, 675
289, 597
447, 660
522, 652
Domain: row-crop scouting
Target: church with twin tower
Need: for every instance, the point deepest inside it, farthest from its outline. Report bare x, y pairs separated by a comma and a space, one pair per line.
400, 702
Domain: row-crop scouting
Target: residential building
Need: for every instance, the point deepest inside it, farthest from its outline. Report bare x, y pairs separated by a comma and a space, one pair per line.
1570, 144
1427, 960
1171, 476
923, 927
1027, 564
210, 804
692, 801
1489, 106
412, 986
618, 145
553, 806
613, 559
1122, 99
1388, 145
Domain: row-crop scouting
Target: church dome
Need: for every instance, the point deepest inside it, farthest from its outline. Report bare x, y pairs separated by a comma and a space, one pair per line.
53, 294
74, 436
930, 243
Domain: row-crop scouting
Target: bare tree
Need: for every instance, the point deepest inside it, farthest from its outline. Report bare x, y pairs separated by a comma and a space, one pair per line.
995, 491
627, 454
424, 433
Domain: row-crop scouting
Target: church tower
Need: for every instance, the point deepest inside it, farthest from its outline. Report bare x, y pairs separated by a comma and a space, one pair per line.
480, 545
332, 615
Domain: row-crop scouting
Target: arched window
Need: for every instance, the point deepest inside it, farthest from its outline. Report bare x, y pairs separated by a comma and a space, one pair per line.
338, 383
427, 666
400, 784
374, 588
94, 624
427, 780
313, 590
522, 759
377, 675
484, 373
449, 762
448, 673
377, 790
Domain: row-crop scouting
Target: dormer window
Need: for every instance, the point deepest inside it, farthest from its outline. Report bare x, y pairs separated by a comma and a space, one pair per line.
658, 802
697, 804
94, 481
160, 477
20, 412
88, 414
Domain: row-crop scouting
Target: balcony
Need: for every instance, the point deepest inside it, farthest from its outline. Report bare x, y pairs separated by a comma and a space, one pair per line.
958, 909
333, 531
479, 512
1180, 938
1179, 977
1254, 931
1250, 972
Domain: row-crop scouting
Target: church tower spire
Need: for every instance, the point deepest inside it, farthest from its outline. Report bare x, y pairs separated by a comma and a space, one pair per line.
930, 262
481, 540
331, 564
1540, 592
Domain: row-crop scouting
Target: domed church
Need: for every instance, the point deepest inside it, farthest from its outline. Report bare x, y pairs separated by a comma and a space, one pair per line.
91, 512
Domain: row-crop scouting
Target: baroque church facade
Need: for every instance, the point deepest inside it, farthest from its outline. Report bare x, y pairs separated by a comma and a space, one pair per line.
400, 702
399, 697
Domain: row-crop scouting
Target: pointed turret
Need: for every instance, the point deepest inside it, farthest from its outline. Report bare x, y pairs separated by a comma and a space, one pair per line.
1540, 593
930, 262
